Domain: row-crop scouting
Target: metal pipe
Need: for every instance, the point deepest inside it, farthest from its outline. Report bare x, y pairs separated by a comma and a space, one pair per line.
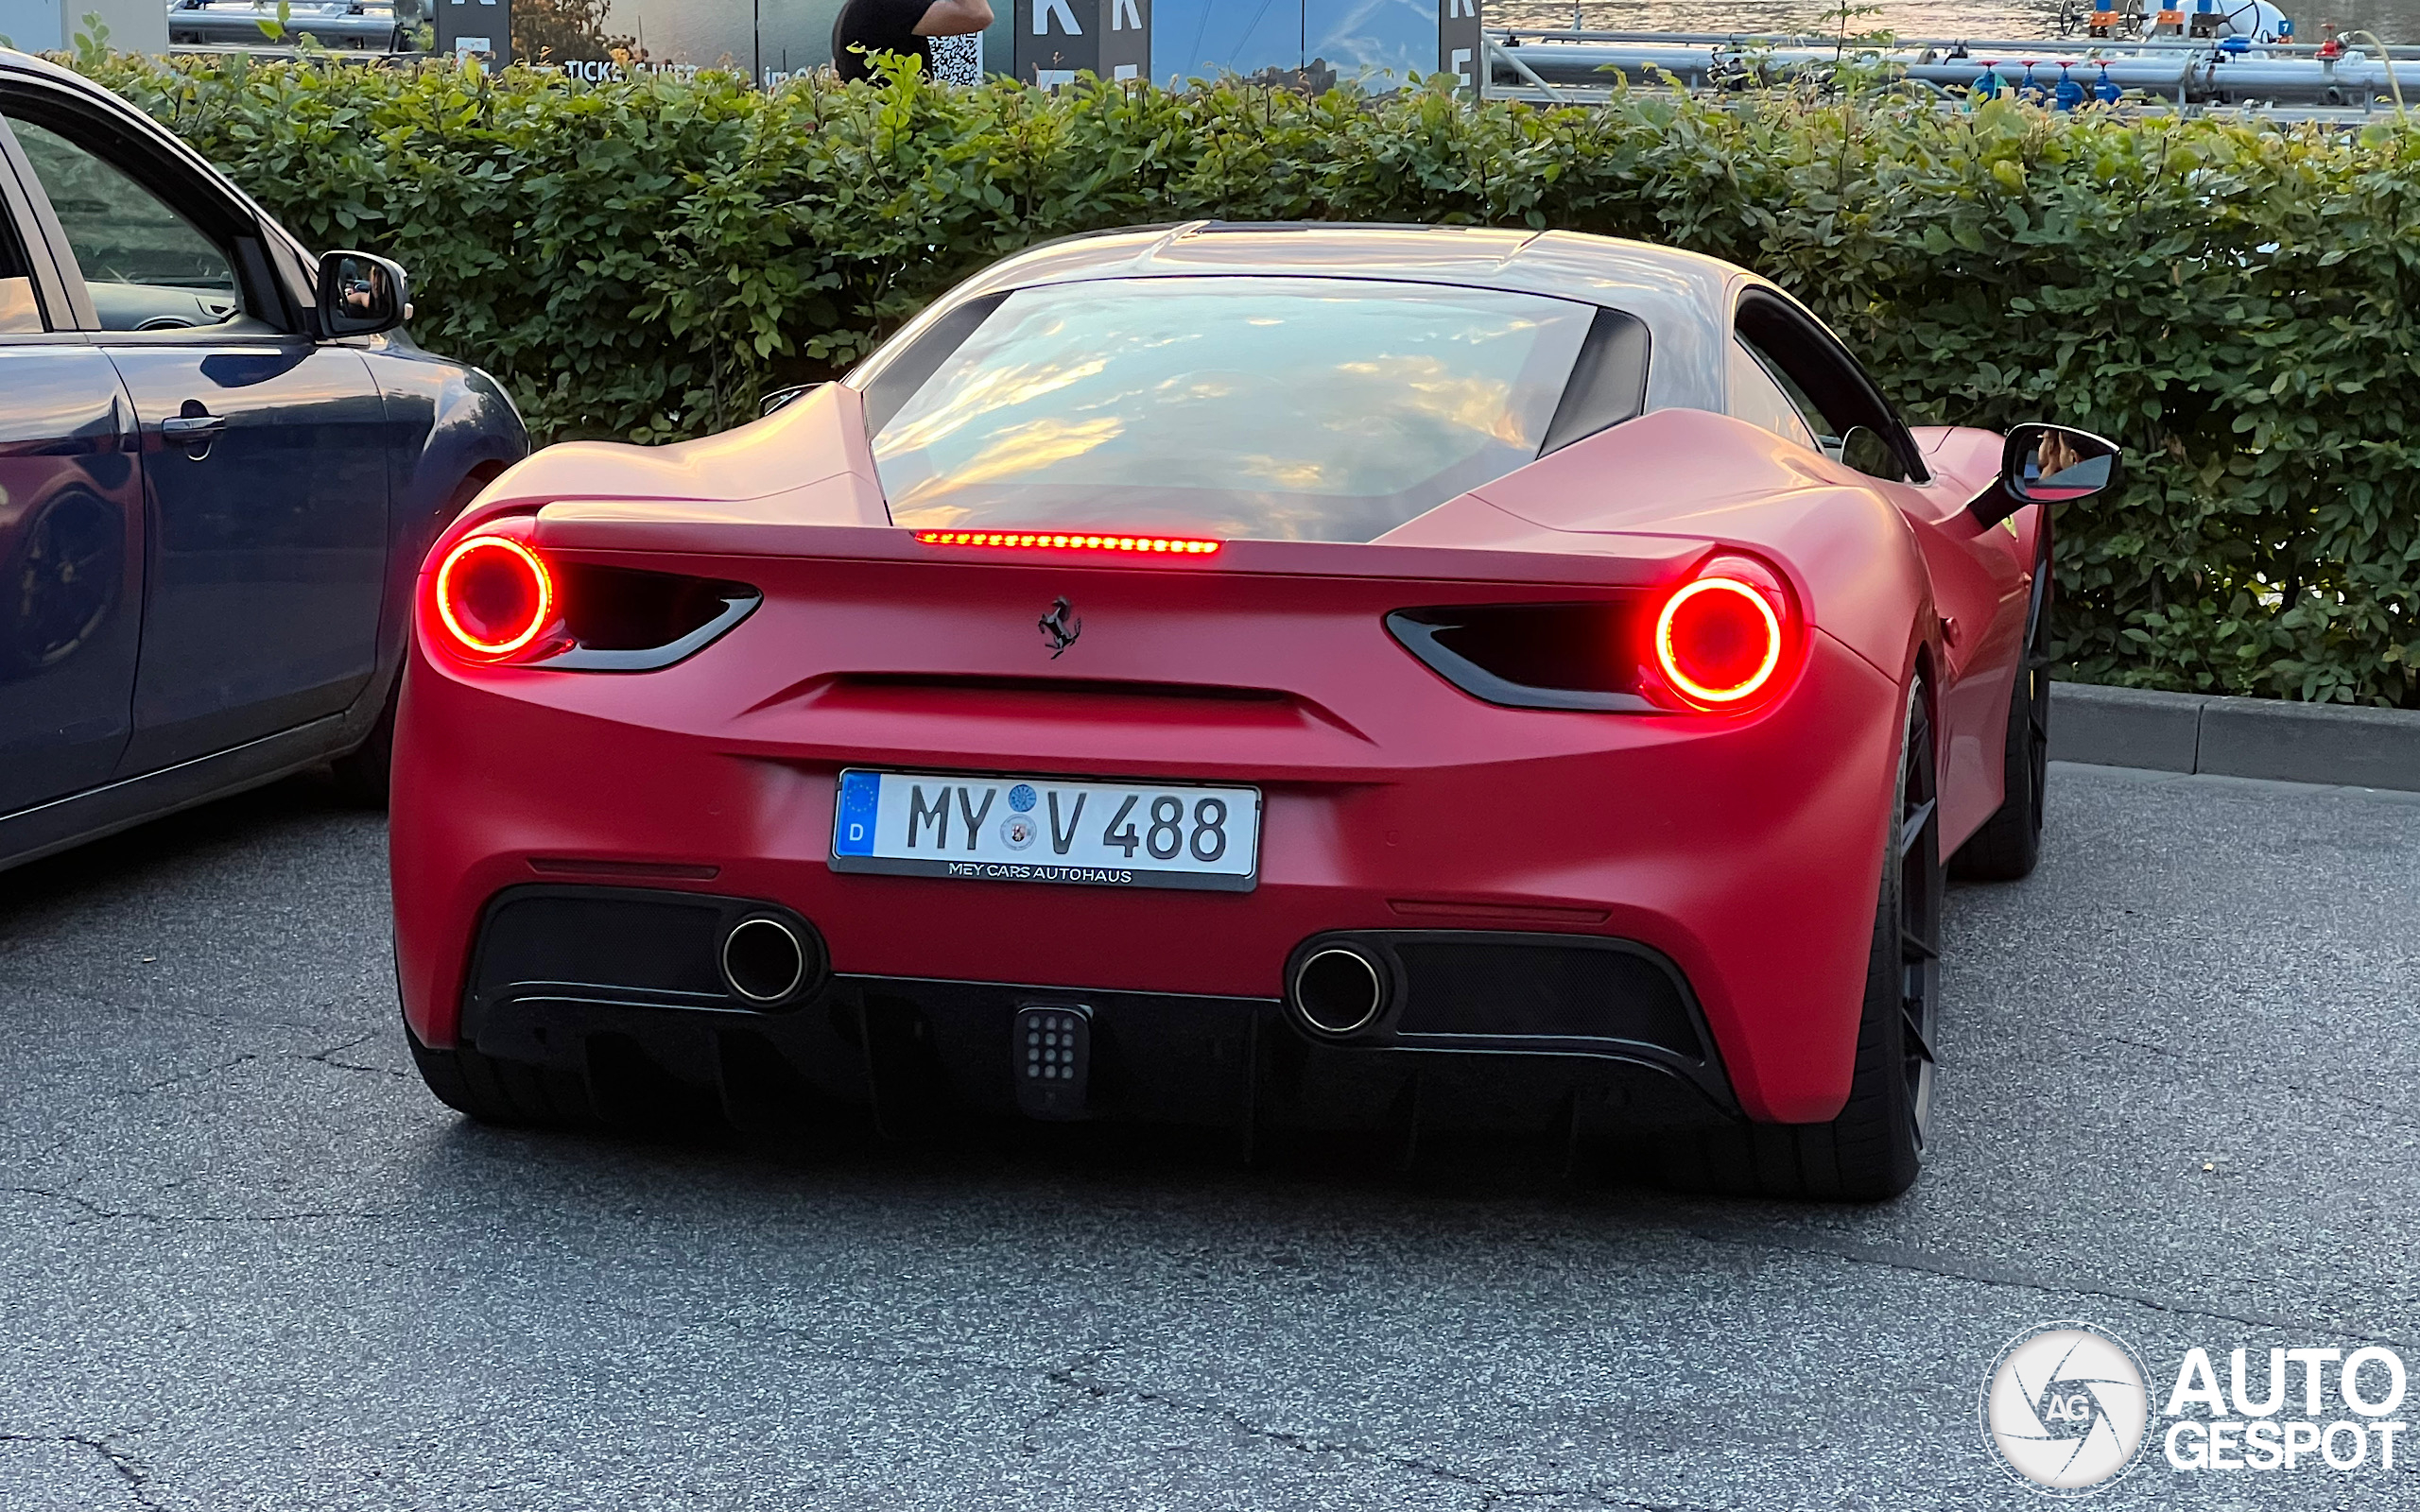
338, 23
1520, 67
2403, 52
2387, 58
2203, 76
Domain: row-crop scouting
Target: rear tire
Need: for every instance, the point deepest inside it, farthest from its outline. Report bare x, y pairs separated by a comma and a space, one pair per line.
2008, 845
502, 1091
1875, 1148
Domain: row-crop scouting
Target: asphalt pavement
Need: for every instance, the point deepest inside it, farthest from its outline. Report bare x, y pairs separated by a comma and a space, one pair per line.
247, 1261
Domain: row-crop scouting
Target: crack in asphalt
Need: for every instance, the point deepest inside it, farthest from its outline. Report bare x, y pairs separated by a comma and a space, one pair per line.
2400, 1115
143, 1215
197, 1072
1073, 1397
1894, 1257
54, 1147
141, 1007
1601, 1499
132, 1472
326, 1057
1080, 1387
1491, 1493
48, 985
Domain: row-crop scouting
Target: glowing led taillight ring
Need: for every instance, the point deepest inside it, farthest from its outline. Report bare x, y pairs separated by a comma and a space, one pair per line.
1669, 661
540, 613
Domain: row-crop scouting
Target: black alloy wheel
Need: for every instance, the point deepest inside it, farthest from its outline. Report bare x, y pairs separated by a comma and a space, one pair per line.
1876, 1146
1919, 896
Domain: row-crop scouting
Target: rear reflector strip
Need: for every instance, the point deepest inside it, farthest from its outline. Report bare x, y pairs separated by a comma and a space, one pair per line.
580, 867
1140, 545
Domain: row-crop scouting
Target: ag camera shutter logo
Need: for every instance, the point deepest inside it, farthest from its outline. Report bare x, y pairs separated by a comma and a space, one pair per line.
2066, 1408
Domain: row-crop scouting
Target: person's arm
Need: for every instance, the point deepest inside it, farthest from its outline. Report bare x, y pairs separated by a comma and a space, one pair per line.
955, 18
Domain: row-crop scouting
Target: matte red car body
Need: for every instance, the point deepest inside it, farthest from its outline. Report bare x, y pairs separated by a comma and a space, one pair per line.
1746, 847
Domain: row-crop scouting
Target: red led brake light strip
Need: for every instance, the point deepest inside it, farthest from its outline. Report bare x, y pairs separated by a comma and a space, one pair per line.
1139, 546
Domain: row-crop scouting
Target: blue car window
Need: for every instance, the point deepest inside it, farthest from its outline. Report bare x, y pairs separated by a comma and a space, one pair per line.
1242, 406
146, 266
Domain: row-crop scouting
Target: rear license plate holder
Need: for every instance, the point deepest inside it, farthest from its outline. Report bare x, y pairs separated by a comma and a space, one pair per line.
1084, 831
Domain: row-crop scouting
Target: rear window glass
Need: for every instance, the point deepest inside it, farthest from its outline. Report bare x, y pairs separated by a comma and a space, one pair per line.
1286, 408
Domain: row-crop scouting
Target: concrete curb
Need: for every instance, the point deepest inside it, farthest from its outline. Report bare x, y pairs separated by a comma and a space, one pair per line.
2333, 744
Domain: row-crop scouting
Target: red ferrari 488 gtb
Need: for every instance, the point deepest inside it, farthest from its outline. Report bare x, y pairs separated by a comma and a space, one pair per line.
1293, 677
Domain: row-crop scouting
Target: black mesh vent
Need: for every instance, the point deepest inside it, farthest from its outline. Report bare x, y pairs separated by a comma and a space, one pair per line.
646, 941
1561, 991
1536, 656
1589, 647
620, 608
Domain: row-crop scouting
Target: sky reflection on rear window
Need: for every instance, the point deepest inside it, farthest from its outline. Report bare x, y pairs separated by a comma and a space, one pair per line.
1290, 408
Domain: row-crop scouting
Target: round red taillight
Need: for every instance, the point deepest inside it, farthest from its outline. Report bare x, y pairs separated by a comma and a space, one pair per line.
494, 595
1718, 641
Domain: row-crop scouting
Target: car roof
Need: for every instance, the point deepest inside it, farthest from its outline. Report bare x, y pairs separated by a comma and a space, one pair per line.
1569, 263
1684, 298
14, 62
32, 63
100, 98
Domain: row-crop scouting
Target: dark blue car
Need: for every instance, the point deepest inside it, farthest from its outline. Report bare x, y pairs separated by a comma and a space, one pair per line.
220, 462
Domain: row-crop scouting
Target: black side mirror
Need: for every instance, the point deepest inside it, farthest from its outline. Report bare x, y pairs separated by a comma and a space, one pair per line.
362, 295
2050, 464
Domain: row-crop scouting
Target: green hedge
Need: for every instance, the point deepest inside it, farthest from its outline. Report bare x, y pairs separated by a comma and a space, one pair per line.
2238, 304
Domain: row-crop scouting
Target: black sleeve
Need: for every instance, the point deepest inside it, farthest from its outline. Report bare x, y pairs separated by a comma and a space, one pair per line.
876, 27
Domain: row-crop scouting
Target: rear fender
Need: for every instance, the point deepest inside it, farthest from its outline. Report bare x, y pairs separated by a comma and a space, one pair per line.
806, 463
1847, 548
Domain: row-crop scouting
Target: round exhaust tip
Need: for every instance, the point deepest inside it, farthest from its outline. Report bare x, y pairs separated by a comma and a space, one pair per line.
1339, 990
764, 961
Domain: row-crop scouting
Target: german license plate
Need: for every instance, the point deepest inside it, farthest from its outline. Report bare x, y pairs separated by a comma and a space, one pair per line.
1048, 829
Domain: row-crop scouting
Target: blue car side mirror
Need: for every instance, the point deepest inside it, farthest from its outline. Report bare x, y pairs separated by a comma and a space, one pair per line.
362, 295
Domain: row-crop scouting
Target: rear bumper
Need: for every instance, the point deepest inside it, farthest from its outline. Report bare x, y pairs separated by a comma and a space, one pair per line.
1744, 851
1609, 1032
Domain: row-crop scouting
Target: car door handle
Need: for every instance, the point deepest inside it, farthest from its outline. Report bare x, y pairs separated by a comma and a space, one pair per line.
193, 427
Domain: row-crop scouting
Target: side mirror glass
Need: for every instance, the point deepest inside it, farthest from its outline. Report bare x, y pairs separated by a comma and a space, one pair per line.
2053, 464
362, 295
